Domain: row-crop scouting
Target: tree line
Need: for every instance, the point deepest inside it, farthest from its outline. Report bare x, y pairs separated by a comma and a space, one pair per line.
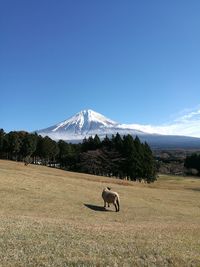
122, 157
193, 162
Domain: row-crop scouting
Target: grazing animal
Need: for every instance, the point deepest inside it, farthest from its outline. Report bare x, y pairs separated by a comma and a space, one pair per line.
110, 197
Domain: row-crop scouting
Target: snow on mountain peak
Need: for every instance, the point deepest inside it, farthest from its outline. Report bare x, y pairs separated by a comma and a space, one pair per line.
90, 115
84, 121
84, 124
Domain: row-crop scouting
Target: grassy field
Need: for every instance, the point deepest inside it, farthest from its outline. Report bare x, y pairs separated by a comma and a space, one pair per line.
50, 217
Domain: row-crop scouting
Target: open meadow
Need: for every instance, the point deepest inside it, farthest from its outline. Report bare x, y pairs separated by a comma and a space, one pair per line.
50, 217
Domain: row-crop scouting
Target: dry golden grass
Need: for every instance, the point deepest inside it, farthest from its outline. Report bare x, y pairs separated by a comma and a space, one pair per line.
50, 217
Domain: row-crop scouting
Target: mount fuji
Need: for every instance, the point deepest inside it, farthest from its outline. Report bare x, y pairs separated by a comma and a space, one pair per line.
87, 123
84, 124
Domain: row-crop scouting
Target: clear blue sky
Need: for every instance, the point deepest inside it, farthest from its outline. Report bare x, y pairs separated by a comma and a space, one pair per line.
133, 61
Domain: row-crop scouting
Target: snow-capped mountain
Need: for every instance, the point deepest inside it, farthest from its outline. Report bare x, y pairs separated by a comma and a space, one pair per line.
84, 124
88, 123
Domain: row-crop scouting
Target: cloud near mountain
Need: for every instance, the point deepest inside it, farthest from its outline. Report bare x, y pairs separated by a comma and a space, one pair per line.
186, 125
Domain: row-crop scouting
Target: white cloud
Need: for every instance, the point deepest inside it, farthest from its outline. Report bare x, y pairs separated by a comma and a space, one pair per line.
187, 124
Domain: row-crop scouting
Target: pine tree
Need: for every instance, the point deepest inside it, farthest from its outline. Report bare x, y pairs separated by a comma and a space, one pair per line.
117, 142
149, 165
97, 142
130, 155
193, 162
2, 136
12, 145
29, 145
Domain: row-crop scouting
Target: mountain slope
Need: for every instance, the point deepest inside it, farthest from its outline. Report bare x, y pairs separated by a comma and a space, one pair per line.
88, 123
84, 124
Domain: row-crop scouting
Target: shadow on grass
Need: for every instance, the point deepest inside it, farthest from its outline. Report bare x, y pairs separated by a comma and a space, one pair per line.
195, 189
95, 207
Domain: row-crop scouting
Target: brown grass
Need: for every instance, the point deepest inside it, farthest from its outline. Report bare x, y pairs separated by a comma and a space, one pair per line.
50, 217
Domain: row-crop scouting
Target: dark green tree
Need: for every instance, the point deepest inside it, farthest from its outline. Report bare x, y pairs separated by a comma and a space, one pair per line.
97, 142
12, 145
130, 158
107, 143
29, 145
149, 165
47, 150
64, 153
2, 136
193, 162
117, 142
